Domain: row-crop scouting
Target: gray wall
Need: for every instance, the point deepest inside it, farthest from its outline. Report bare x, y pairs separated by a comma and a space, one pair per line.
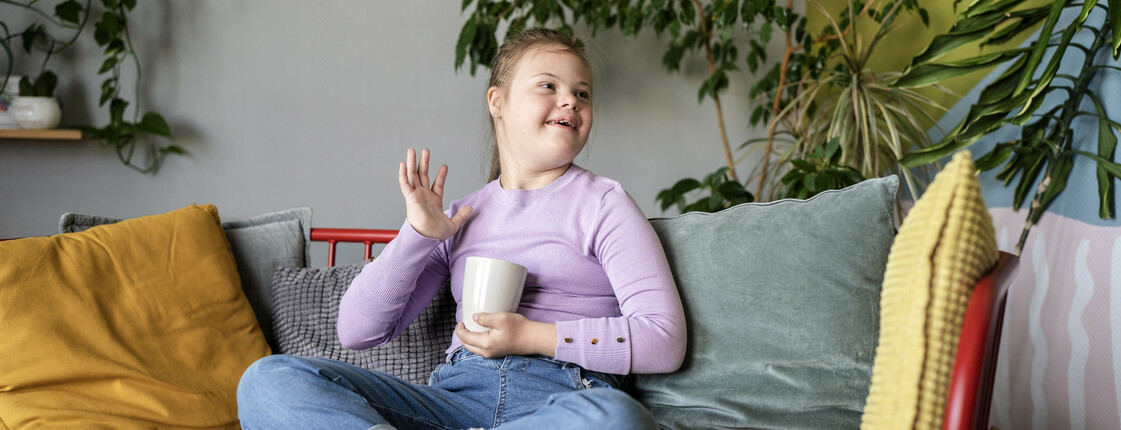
295, 103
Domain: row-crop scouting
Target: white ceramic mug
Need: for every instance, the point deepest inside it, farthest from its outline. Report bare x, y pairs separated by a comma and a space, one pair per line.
490, 285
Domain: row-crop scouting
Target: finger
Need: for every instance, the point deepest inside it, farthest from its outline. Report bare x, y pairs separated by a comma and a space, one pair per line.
461, 216
438, 186
422, 169
483, 319
467, 337
410, 167
403, 180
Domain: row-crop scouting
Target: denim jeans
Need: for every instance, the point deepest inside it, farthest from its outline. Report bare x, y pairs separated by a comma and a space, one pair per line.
467, 391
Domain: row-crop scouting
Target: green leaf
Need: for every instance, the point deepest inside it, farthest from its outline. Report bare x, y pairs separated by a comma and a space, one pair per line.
26, 88
832, 147
1033, 167
173, 149
1110, 167
931, 73
45, 85
108, 90
69, 11
666, 198
117, 111
466, 36
129, 4
1107, 146
1025, 20
804, 165
948, 145
715, 178
1044, 80
823, 182
962, 33
108, 65
1115, 23
1059, 172
994, 158
732, 189
154, 123
29, 35
1037, 52
465, 4
110, 24
685, 185
115, 47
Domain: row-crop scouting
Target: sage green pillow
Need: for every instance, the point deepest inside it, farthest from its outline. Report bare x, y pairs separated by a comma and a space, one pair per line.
782, 306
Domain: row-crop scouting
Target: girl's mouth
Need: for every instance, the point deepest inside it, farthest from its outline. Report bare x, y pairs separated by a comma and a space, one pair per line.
562, 122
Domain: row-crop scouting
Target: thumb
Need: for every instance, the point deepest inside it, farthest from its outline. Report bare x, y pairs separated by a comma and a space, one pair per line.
481, 318
461, 216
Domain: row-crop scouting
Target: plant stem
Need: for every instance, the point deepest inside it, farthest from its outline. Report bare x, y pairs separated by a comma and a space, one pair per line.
716, 97
135, 60
1069, 112
36, 10
776, 108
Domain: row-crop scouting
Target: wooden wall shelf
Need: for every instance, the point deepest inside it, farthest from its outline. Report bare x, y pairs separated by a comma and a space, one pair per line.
55, 134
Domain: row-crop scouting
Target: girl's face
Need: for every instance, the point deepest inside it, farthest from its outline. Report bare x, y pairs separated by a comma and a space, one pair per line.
544, 116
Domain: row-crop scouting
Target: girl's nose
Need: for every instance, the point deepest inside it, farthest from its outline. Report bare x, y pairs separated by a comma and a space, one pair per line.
567, 101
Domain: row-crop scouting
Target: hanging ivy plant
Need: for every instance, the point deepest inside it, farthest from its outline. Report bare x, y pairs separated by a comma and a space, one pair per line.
121, 134
125, 134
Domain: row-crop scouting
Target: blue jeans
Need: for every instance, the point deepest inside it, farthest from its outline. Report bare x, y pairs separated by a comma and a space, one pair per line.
469, 390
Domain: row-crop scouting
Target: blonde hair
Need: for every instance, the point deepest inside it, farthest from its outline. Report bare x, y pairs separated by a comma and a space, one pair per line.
504, 67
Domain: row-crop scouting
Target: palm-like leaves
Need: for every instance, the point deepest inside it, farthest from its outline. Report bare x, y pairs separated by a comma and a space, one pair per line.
1044, 152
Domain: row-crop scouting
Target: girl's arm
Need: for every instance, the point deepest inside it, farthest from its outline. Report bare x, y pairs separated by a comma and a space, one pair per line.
650, 335
391, 291
394, 289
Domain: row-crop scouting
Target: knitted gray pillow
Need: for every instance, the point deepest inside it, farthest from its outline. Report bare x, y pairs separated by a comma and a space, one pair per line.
306, 309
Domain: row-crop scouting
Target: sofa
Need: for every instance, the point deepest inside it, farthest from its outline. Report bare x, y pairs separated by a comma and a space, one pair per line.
814, 313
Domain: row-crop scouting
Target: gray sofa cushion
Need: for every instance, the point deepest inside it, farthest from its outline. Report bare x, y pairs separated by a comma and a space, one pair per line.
782, 304
307, 310
260, 244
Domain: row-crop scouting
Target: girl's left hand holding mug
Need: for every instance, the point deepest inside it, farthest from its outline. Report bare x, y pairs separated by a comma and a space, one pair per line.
510, 334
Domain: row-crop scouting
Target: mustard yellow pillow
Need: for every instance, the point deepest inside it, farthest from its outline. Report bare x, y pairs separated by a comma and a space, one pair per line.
945, 245
139, 324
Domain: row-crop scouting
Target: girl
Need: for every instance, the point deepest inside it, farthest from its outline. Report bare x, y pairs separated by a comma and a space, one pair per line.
599, 300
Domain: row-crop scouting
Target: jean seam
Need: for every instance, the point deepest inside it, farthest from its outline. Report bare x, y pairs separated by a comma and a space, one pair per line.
500, 408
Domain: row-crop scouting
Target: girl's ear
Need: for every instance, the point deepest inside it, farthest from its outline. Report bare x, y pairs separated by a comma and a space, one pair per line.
494, 95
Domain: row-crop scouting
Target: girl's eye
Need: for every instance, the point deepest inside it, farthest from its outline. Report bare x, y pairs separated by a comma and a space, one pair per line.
583, 95
549, 86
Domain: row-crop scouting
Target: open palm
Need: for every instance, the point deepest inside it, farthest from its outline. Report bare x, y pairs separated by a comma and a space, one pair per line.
424, 202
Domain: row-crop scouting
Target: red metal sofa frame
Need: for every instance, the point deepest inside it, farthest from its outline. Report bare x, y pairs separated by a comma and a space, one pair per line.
971, 387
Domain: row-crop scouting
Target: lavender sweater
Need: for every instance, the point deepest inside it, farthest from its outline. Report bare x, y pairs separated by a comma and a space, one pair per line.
596, 269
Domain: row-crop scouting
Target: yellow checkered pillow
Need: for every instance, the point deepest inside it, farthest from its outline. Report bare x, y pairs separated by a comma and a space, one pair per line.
945, 245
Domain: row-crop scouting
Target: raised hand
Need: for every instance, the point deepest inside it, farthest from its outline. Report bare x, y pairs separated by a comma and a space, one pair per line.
424, 202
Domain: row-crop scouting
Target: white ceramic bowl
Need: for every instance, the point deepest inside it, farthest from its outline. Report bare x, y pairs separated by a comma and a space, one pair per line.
36, 112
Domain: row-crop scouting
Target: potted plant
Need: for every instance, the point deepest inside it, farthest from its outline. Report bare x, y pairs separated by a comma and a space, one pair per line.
36, 107
124, 133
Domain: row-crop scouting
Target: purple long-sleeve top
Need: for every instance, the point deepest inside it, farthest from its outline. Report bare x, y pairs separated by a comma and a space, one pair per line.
595, 268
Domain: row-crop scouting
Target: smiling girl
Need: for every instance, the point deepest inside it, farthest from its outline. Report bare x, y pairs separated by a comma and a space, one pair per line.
599, 301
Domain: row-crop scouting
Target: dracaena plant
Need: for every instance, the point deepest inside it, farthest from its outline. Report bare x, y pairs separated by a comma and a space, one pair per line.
871, 123
1045, 151
123, 133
